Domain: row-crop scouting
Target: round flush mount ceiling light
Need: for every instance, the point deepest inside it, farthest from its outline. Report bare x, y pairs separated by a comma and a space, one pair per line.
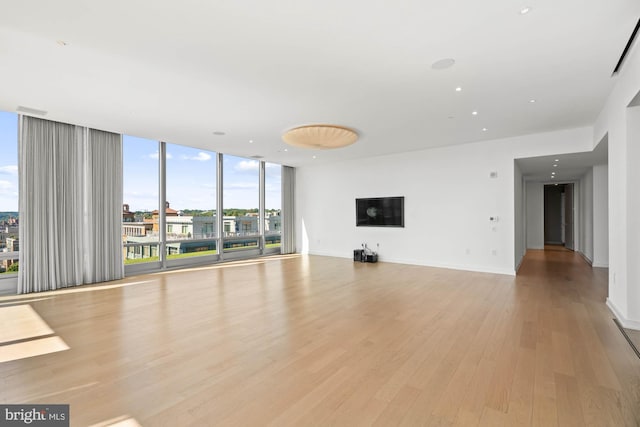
443, 64
320, 137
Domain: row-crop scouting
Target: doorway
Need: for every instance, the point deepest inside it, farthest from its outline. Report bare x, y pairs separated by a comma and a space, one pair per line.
559, 210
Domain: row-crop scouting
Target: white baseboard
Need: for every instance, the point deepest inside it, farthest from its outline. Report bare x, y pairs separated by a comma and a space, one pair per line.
478, 269
626, 323
600, 265
586, 258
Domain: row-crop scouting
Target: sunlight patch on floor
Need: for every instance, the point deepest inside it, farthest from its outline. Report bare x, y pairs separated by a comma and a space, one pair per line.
123, 421
21, 322
31, 348
20, 329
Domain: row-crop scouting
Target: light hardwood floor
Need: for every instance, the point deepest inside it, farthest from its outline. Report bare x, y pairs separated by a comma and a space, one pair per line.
304, 341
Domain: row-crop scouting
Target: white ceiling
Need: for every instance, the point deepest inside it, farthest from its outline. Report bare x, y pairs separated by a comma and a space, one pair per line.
180, 70
569, 167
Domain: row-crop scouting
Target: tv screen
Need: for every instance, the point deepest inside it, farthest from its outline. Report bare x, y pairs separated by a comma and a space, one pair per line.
380, 212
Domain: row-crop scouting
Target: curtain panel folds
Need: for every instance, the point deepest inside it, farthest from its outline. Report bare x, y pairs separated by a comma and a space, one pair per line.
288, 245
70, 180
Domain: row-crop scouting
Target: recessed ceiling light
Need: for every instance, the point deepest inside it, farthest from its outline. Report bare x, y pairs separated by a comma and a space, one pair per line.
458, 89
553, 173
315, 157
533, 101
251, 141
525, 10
286, 149
552, 176
219, 133
443, 64
555, 166
484, 129
474, 113
556, 160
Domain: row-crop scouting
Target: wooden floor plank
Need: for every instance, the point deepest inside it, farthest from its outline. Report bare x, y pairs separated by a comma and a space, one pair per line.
309, 340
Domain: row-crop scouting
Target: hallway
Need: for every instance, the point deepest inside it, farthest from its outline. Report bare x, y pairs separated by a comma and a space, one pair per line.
588, 365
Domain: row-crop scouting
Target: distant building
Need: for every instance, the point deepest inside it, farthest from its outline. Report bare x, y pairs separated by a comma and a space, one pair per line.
155, 216
273, 224
136, 229
187, 234
127, 215
12, 244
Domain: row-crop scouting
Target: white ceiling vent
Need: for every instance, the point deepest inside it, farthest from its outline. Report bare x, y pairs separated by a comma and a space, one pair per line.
30, 111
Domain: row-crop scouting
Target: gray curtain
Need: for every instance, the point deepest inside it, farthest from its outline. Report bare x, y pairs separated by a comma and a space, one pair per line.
70, 181
288, 245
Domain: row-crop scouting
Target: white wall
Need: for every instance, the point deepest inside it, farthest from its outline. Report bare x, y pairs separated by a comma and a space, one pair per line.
586, 216
633, 214
449, 198
624, 279
600, 216
535, 215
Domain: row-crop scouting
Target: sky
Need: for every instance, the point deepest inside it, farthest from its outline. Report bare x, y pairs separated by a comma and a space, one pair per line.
191, 178
8, 161
191, 175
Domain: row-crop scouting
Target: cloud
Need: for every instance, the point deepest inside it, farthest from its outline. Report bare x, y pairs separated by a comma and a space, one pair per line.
156, 156
9, 170
8, 190
247, 165
200, 157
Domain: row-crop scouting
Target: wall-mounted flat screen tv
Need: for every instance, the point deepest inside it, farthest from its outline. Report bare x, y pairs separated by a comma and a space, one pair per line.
380, 212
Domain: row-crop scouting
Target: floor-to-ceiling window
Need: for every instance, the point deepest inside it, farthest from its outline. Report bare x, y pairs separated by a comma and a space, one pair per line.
273, 205
9, 219
188, 178
183, 180
241, 202
191, 202
140, 226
